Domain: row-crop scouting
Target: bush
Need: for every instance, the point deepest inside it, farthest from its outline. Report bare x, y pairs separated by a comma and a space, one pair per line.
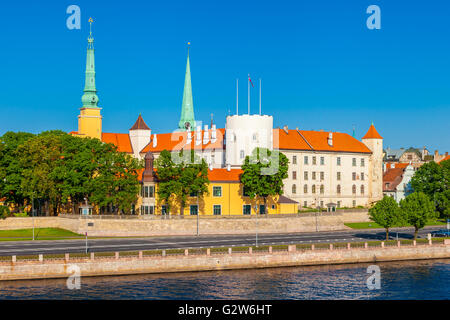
20, 214
4, 212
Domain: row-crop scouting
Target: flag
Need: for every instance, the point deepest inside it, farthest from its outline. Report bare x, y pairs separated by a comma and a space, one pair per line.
250, 81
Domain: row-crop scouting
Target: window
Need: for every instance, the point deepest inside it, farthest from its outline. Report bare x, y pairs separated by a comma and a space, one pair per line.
193, 194
148, 191
354, 189
313, 160
294, 175
305, 204
338, 204
362, 162
305, 160
362, 175
338, 176
321, 204
306, 175
322, 176
294, 189
313, 188
338, 161
387, 185
354, 203
217, 191
255, 137
338, 189
322, 161
410, 157
305, 189
217, 209
245, 192
164, 210
242, 154
354, 162
193, 210
353, 176
147, 209
313, 175
246, 209
322, 189
262, 209
294, 159
362, 189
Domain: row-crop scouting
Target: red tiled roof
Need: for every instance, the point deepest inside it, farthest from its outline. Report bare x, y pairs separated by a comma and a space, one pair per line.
317, 140
372, 133
393, 177
140, 124
219, 175
177, 140
121, 140
446, 158
396, 165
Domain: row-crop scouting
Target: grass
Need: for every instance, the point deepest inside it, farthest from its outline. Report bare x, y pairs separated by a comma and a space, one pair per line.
373, 225
39, 234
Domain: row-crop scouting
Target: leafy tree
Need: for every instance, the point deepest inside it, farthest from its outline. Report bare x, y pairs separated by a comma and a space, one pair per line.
434, 180
386, 213
167, 175
264, 172
418, 209
10, 168
4, 212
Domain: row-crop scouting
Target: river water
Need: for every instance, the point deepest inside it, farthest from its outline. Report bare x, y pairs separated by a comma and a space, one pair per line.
398, 280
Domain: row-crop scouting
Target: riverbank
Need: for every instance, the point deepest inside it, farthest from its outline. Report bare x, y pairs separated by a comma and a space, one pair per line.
225, 259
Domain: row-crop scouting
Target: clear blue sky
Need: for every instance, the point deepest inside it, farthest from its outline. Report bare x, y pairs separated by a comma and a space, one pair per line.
321, 67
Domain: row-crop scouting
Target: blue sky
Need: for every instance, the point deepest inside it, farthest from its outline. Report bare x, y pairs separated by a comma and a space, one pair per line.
321, 67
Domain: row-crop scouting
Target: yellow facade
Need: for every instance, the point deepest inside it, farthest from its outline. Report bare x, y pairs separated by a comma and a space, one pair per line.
90, 123
226, 198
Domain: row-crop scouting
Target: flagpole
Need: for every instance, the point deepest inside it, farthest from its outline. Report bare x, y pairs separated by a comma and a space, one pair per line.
248, 84
237, 96
259, 96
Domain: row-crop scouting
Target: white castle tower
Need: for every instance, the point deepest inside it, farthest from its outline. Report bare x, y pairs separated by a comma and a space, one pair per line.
140, 135
374, 142
244, 133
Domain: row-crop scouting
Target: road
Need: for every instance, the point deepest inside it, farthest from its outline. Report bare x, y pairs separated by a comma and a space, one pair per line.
8, 248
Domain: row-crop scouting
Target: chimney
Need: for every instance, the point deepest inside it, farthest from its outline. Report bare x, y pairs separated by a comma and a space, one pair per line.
392, 165
285, 128
155, 141
198, 140
206, 135
210, 166
213, 133
330, 139
228, 167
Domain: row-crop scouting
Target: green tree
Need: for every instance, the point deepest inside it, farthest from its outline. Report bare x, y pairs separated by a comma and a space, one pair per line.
434, 180
10, 168
167, 175
386, 213
264, 172
4, 212
418, 209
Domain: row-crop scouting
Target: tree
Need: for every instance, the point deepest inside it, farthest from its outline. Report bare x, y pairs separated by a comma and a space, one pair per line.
167, 176
434, 180
264, 172
10, 168
386, 213
418, 209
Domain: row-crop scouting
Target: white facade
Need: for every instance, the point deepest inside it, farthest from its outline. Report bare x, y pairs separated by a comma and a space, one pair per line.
139, 139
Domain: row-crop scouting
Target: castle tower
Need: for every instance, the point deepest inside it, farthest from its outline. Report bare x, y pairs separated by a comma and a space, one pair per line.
139, 136
374, 142
187, 107
90, 119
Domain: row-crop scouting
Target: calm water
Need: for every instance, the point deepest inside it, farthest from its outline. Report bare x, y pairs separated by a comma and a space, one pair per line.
399, 280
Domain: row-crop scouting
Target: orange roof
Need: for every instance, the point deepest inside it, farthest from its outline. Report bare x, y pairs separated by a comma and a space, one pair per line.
318, 141
140, 124
222, 175
372, 133
446, 158
121, 140
396, 165
393, 177
177, 140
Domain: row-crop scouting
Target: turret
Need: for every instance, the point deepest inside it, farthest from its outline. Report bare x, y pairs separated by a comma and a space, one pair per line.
187, 120
140, 135
374, 141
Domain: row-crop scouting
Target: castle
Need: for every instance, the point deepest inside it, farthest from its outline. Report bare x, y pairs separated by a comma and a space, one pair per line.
326, 169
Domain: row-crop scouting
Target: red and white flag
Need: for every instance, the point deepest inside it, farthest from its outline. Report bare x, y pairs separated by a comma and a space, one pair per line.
250, 80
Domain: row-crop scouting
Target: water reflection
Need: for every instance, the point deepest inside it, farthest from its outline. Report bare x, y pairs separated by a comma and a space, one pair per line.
399, 280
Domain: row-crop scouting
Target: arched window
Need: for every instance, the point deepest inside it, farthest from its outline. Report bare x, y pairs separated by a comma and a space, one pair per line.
362, 189
338, 189
305, 189
354, 189
322, 189
313, 188
294, 189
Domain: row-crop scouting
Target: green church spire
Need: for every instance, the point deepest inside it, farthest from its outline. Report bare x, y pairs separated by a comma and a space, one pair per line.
187, 108
90, 99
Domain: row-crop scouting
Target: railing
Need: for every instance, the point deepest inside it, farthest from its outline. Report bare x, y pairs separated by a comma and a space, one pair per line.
264, 249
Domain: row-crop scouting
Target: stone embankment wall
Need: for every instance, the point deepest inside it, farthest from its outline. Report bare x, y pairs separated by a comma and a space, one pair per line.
40, 269
187, 225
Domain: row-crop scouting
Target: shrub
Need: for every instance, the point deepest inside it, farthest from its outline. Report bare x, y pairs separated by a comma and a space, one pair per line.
4, 212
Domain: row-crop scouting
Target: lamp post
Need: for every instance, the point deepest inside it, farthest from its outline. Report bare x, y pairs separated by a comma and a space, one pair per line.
256, 211
198, 212
32, 212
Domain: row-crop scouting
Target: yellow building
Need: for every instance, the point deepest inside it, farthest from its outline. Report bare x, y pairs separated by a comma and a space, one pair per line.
225, 196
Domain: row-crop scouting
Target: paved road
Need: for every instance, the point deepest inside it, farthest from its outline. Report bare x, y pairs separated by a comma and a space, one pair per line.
8, 248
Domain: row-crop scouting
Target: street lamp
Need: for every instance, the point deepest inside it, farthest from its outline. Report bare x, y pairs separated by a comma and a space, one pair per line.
256, 212
198, 212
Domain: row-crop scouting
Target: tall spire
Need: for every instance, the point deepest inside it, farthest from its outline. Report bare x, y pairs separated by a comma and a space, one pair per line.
187, 107
90, 98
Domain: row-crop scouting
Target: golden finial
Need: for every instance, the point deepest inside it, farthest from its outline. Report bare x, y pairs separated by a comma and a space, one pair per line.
91, 20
